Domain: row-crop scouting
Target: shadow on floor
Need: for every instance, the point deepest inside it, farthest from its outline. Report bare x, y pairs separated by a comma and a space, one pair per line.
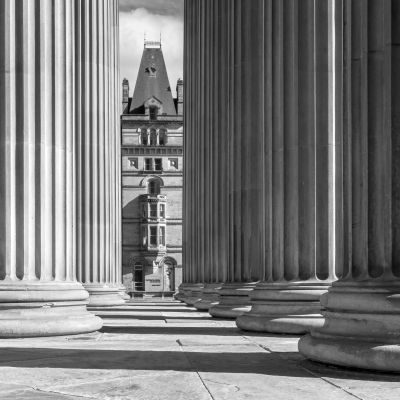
145, 310
173, 330
153, 317
188, 330
245, 363
219, 362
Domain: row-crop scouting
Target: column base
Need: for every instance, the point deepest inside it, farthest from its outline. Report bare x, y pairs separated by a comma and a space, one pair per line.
104, 296
181, 292
32, 309
291, 308
192, 293
209, 296
234, 300
361, 327
125, 296
122, 292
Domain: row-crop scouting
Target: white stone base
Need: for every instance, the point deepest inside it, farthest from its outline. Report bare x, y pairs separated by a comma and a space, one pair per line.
352, 353
185, 293
125, 296
122, 292
209, 296
234, 300
104, 296
29, 309
284, 308
192, 293
289, 324
361, 327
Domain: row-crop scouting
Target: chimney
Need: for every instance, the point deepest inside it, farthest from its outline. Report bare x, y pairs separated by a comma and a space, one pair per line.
179, 91
125, 96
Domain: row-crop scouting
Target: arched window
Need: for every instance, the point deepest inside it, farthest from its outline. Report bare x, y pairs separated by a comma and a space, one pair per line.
163, 137
153, 137
143, 137
153, 187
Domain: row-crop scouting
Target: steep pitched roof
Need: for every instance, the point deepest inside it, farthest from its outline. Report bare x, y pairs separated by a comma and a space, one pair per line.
152, 80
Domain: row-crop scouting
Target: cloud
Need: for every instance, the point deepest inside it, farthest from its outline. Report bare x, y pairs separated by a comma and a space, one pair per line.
161, 7
133, 25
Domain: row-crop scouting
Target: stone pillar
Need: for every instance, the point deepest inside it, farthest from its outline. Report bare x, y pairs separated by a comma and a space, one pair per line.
298, 170
362, 324
97, 148
212, 127
39, 294
223, 162
192, 279
242, 192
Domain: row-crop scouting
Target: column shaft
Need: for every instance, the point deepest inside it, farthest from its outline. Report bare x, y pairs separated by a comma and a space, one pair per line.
224, 161
298, 185
98, 146
361, 327
39, 295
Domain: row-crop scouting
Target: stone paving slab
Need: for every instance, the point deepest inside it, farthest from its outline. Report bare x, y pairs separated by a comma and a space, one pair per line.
151, 353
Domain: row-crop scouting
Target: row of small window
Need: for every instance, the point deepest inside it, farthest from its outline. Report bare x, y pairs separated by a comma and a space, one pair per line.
151, 139
141, 150
154, 164
153, 210
153, 236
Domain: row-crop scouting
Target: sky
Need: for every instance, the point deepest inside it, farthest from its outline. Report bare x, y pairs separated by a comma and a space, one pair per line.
151, 17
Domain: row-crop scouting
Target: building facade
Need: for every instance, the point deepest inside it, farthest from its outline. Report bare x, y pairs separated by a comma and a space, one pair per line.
152, 166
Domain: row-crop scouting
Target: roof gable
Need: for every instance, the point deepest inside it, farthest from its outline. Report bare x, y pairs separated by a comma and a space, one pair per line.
152, 81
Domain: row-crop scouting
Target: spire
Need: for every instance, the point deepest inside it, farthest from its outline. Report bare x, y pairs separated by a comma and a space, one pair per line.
152, 82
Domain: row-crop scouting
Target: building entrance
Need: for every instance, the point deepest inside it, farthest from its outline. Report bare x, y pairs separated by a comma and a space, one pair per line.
138, 285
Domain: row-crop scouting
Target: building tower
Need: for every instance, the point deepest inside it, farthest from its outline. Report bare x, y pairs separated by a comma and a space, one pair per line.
152, 158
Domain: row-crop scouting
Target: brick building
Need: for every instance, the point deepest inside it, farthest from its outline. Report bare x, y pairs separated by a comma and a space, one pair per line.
152, 164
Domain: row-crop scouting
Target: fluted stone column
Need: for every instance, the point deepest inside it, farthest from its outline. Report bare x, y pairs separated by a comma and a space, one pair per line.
243, 195
213, 221
362, 310
97, 148
298, 175
192, 281
39, 294
223, 157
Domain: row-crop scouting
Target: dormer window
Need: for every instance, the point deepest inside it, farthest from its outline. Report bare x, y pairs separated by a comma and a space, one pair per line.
153, 111
151, 71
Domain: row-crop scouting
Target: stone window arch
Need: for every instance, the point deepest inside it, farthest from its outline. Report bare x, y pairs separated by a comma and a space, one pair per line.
153, 186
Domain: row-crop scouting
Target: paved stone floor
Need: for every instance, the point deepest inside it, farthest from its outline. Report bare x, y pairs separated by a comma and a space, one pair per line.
165, 350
